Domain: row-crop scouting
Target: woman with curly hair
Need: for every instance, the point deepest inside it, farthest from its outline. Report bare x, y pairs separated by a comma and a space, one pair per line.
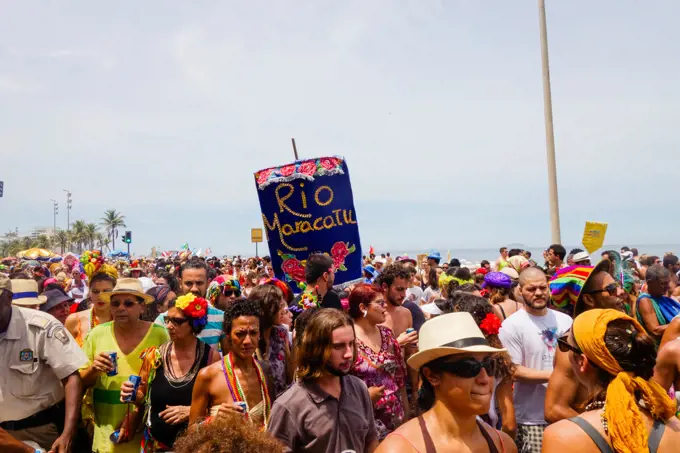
169, 373
502, 411
227, 435
239, 383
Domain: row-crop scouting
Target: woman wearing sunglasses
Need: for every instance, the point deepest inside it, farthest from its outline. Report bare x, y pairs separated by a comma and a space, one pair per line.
612, 356
223, 291
502, 412
169, 373
127, 336
456, 366
379, 363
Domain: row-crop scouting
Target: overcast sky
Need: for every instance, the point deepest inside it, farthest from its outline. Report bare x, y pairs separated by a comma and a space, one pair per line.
163, 110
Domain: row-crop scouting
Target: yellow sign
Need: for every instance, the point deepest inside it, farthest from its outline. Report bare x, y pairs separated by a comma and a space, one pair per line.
256, 235
593, 236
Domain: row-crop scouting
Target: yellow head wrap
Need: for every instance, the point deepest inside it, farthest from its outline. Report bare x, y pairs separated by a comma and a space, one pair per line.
626, 427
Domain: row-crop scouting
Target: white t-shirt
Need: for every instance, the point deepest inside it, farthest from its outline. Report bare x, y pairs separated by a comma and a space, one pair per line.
429, 292
414, 294
531, 342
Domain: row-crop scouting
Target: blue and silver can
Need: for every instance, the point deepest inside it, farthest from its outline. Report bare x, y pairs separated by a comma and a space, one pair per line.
243, 405
136, 380
113, 357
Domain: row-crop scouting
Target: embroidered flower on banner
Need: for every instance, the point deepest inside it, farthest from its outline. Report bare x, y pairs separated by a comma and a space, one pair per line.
287, 170
307, 168
263, 176
339, 252
328, 163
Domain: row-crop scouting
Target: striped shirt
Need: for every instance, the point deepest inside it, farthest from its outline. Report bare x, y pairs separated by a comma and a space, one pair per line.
212, 334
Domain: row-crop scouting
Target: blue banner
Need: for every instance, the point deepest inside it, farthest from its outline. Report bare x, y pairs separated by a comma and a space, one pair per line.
307, 207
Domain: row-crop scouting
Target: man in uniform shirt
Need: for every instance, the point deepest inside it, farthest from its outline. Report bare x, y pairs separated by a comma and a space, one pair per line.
40, 388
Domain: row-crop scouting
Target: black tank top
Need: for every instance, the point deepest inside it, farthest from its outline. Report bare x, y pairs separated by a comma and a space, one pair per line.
164, 394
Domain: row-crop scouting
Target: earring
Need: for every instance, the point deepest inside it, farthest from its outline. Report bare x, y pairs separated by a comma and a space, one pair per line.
365, 314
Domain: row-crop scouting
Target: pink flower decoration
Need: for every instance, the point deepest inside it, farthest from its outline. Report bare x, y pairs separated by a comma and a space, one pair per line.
263, 176
287, 170
307, 168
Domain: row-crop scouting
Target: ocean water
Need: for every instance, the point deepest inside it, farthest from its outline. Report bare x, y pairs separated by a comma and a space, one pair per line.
475, 256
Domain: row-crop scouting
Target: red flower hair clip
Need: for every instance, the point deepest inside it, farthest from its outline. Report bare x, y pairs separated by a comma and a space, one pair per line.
491, 325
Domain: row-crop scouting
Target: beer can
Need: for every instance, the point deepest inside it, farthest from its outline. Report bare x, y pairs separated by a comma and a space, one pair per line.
136, 380
113, 357
243, 405
114, 436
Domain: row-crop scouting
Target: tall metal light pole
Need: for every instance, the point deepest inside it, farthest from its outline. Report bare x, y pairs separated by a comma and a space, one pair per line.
55, 211
69, 204
549, 134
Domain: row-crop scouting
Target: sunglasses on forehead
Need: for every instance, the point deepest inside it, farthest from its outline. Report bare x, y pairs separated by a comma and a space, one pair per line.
468, 367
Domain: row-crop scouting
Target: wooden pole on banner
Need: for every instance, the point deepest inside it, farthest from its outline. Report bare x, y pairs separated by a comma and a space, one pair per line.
295, 149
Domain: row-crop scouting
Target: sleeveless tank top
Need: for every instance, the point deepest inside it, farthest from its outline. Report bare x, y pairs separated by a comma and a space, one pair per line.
164, 393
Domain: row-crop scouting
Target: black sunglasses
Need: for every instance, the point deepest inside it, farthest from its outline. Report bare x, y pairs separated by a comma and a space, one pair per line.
469, 368
611, 288
126, 304
564, 346
230, 292
175, 321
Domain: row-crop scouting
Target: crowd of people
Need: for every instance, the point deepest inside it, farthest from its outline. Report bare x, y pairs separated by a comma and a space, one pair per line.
189, 354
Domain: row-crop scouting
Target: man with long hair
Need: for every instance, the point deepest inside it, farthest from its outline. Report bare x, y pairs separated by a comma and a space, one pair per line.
326, 410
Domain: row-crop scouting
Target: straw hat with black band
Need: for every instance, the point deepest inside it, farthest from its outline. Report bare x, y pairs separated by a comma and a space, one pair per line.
129, 286
450, 334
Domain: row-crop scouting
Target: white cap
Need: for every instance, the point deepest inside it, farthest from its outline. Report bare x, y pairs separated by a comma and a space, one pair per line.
581, 256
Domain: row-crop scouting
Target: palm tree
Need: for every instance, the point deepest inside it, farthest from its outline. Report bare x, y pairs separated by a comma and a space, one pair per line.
111, 221
90, 234
102, 241
42, 242
61, 239
78, 235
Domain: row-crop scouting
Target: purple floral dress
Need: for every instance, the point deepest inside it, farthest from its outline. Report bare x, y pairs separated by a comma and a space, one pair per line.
386, 368
277, 357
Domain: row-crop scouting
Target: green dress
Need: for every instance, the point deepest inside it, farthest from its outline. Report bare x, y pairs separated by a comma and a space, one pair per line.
108, 410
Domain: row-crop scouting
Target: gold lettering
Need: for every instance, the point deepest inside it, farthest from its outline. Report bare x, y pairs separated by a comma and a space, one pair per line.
276, 225
318, 192
327, 225
287, 230
281, 200
337, 216
304, 196
317, 224
347, 215
305, 227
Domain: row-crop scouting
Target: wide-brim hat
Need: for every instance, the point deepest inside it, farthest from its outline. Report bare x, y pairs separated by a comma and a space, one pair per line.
54, 298
566, 286
25, 293
130, 286
449, 334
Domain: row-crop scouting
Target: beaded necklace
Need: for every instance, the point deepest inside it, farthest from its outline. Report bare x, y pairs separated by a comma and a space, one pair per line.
237, 392
94, 321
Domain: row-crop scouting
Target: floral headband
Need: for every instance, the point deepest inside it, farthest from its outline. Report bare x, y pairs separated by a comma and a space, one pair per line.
194, 308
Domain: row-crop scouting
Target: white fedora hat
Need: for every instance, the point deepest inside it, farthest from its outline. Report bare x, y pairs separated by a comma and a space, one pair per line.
131, 286
25, 293
453, 333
